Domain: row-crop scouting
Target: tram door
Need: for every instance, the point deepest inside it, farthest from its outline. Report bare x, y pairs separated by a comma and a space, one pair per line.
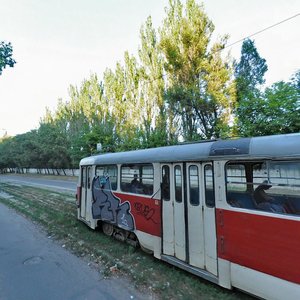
174, 238
85, 188
195, 215
184, 210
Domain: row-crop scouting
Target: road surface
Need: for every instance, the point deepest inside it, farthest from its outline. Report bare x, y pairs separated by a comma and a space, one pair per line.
32, 266
58, 184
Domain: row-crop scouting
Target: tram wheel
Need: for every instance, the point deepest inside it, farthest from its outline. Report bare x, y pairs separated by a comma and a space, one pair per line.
108, 229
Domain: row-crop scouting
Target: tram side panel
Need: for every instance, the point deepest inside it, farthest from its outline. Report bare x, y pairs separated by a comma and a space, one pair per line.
260, 248
142, 214
133, 212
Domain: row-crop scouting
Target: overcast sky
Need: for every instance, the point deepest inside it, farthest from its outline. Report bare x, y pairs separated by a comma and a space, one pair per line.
60, 42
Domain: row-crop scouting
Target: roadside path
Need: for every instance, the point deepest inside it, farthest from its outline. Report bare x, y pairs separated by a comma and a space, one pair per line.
32, 266
43, 182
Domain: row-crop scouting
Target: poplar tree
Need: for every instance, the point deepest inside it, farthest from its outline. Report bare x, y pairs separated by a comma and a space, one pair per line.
249, 74
199, 90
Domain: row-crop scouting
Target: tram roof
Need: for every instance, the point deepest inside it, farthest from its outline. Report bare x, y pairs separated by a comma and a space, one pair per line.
287, 145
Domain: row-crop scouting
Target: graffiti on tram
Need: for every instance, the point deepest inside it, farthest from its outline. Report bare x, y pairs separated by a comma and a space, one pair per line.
107, 207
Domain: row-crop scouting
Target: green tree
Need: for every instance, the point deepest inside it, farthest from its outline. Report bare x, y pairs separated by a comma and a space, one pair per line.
6, 157
249, 72
249, 76
296, 81
158, 124
282, 108
20, 151
85, 120
199, 89
53, 144
6, 56
276, 111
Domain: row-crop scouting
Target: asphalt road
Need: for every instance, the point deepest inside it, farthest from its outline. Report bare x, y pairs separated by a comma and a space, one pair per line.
58, 184
32, 266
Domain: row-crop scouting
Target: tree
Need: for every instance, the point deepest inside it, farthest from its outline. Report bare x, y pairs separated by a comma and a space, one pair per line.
53, 148
6, 158
199, 89
281, 108
158, 124
276, 111
249, 72
6, 56
249, 76
296, 81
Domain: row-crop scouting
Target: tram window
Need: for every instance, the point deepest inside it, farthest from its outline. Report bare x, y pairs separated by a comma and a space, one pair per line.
194, 185
272, 186
137, 178
236, 177
110, 171
178, 184
209, 186
83, 177
239, 188
260, 173
89, 177
165, 186
284, 181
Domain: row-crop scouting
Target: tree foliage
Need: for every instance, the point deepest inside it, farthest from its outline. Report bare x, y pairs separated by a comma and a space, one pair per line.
179, 87
275, 109
6, 56
199, 91
249, 72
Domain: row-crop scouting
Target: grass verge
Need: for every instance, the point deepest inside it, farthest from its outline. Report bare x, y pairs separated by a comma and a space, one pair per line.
57, 215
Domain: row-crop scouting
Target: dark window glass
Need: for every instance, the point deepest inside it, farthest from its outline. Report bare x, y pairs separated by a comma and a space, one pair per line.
209, 186
83, 177
111, 172
194, 185
165, 186
178, 184
239, 188
273, 186
236, 178
89, 170
137, 178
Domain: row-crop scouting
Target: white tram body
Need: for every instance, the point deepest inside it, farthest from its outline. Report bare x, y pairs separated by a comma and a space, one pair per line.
226, 210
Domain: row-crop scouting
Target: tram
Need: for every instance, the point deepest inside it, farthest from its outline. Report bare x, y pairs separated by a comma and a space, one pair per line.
226, 210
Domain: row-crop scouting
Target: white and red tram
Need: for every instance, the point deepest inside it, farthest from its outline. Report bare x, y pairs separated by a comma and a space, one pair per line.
227, 210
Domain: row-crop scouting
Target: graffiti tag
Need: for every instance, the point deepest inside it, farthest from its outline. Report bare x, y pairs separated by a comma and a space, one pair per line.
145, 211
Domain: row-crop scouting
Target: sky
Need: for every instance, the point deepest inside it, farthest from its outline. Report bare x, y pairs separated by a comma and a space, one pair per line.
59, 43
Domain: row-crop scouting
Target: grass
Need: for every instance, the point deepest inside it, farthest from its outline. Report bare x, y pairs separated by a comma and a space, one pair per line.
56, 213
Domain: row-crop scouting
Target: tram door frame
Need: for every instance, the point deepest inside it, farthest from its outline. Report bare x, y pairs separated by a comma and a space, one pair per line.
188, 231
86, 174
209, 212
174, 237
195, 216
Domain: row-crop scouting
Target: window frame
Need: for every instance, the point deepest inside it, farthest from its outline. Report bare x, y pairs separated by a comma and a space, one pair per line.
197, 202
281, 200
213, 202
140, 178
181, 185
166, 185
117, 172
